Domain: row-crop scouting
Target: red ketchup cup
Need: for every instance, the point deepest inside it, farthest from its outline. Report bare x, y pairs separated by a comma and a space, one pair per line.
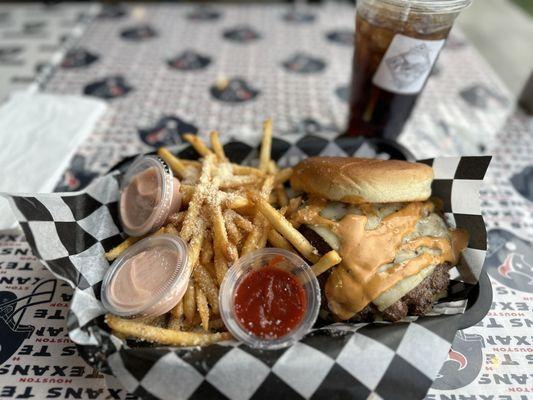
269, 298
149, 193
148, 279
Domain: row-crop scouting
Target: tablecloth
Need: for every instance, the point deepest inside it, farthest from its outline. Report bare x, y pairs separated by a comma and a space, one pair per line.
169, 69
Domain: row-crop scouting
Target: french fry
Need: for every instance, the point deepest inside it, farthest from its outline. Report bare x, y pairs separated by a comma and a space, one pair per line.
266, 146
187, 191
221, 266
177, 219
191, 218
283, 176
131, 328
220, 235
294, 204
279, 241
328, 260
171, 230
203, 308
283, 200
238, 181
206, 253
176, 317
116, 251
173, 162
210, 267
245, 170
234, 200
198, 144
208, 286
259, 233
233, 232
217, 146
272, 167
217, 324
189, 302
283, 226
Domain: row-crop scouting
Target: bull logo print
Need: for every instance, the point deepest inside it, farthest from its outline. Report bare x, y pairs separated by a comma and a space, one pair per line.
166, 132
298, 17
77, 58
138, 33
482, 97
189, 61
203, 14
523, 182
12, 310
409, 66
510, 260
304, 64
108, 88
463, 364
76, 177
343, 37
241, 34
235, 90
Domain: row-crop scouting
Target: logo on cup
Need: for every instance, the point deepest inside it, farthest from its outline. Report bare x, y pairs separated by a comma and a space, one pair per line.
235, 90
167, 131
463, 364
108, 88
12, 309
510, 260
406, 68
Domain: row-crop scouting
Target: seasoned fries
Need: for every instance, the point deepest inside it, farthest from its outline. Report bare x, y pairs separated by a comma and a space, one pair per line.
228, 210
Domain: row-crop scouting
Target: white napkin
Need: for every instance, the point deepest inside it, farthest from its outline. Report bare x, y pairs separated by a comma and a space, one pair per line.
39, 133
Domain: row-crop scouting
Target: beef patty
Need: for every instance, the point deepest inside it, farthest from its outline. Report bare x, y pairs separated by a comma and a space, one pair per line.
416, 302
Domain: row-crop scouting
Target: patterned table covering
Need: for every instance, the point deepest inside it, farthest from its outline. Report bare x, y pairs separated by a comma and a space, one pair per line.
168, 69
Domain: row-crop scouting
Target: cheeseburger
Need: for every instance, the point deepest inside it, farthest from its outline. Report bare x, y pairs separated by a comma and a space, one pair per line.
395, 247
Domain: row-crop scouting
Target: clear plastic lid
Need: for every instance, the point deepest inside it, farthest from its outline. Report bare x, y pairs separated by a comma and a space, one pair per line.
148, 279
255, 261
149, 193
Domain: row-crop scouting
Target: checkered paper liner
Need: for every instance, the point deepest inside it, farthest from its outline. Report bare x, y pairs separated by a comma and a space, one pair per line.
69, 233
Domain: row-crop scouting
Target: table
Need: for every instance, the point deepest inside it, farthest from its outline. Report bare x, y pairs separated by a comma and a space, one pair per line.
166, 69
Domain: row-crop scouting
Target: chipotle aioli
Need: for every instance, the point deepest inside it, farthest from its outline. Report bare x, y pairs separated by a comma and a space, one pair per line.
149, 195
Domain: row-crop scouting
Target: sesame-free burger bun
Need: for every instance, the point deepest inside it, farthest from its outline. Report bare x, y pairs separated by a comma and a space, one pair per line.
363, 180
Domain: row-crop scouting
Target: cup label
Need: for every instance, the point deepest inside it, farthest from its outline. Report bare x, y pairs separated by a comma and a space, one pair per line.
407, 64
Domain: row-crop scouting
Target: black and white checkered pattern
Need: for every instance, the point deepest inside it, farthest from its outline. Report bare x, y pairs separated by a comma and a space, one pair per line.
70, 232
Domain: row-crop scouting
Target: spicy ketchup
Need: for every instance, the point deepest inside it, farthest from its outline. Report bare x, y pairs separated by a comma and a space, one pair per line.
270, 302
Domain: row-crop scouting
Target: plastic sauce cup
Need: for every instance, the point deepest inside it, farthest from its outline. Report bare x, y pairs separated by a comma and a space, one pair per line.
276, 282
149, 194
148, 279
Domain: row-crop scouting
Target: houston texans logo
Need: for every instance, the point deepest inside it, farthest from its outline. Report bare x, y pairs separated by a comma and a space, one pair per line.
12, 310
342, 92
108, 88
138, 33
343, 37
304, 64
203, 14
298, 17
482, 97
189, 61
463, 364
523, 182
241, 34
112, 11
235, 90
8, 54
166, 132
510, 260
78, 57
76, 177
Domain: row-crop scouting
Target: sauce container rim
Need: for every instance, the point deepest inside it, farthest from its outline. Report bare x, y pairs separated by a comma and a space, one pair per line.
178, 284
162, 208
241, 268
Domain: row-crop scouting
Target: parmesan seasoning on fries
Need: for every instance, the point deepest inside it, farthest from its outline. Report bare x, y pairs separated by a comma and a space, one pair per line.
222, 217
